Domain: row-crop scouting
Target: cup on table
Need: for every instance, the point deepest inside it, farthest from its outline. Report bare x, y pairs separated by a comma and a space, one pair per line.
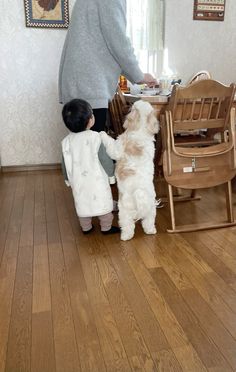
135, 88
165, 85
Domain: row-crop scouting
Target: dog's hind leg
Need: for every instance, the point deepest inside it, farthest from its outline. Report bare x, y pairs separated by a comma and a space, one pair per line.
127, 225
148, 222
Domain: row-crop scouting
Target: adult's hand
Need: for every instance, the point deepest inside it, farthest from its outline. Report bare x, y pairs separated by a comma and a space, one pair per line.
149, 80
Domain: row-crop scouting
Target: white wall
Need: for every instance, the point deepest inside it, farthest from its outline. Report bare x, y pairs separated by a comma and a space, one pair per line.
30, 115
201, 45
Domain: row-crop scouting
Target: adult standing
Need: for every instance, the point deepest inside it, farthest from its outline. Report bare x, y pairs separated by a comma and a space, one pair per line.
96, 52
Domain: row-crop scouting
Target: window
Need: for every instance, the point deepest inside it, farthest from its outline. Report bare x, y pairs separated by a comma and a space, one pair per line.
145, 28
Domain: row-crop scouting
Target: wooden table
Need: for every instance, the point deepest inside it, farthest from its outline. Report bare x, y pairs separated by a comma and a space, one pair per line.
160, 103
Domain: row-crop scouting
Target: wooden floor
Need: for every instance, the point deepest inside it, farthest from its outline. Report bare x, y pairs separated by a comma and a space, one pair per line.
70, 302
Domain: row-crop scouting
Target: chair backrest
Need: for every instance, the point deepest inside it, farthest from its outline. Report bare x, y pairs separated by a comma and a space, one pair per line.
202, 105
200, 75
118, 109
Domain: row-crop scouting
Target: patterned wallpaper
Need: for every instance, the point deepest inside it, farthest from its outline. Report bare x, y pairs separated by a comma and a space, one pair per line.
31, 128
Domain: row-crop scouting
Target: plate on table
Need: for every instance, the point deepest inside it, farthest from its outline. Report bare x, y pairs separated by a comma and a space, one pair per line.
150, 92
165, 93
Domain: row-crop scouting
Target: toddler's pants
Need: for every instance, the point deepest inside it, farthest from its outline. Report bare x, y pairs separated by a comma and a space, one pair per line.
105, 222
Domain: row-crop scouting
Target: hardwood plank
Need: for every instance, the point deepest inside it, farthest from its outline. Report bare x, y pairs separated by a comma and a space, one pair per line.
19, 342
198, 241
4, 180
151, 331
43, 355
150, 260
217, 332
8, 268
111, 345
214, 256
42, 351
226, 238
110, 340
130, 332
8, 191
158, 246
27, 226
66, 353
188, 359
84, 318
136, 364
211, 325
207, 351
225, 291
172, 329
224, 312
166, 361
41, 282
181, 248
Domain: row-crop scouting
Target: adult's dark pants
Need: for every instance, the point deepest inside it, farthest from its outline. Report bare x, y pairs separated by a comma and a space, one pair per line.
100, 119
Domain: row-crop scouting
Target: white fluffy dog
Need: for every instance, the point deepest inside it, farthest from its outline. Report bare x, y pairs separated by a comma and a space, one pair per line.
133, 151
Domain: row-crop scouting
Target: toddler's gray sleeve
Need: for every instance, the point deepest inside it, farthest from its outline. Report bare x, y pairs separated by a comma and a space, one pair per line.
64, 172
107, 163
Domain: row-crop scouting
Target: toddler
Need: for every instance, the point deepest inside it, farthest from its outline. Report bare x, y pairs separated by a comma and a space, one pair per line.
88, 168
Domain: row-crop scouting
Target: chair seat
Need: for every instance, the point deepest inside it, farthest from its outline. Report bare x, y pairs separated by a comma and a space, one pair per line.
195, 140
206, 151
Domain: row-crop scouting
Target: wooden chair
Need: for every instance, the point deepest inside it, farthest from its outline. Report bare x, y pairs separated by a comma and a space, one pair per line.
203, 104
118, 109
200, 75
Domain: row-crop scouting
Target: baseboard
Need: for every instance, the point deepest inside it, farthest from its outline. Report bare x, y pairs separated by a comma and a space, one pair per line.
30, 168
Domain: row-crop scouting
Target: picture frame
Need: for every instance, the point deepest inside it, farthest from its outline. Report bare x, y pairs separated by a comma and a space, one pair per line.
209, 10
47, 13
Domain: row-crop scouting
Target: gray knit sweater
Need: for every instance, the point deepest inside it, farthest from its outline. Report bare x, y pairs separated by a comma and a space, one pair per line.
96, 52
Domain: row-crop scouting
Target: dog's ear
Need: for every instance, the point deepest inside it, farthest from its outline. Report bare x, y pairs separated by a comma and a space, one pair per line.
132, 121
152, 122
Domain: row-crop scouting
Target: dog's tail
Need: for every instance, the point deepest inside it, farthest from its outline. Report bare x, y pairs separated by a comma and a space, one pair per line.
142, 200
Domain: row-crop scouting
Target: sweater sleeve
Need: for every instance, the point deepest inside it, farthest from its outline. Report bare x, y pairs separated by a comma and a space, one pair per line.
66, 161
112, 15
113, 147
107, 163
64, 172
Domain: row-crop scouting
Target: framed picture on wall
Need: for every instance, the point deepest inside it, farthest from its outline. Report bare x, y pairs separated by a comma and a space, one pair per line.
209, 10
46, 13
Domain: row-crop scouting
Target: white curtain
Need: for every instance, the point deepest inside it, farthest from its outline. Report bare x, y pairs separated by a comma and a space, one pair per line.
145, 28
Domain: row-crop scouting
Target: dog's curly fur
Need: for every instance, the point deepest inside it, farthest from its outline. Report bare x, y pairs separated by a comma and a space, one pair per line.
133, 151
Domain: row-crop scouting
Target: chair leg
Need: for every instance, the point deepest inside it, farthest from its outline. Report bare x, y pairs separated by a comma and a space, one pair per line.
229, 203
171, 205
201, 226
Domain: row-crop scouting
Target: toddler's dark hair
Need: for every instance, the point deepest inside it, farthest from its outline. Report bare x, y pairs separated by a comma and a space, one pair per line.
76, 115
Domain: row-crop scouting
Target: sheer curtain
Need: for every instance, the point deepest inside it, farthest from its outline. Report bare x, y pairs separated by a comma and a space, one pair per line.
145, 28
